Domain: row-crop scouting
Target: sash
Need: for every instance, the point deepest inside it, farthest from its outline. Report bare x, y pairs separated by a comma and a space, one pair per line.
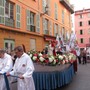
6, 81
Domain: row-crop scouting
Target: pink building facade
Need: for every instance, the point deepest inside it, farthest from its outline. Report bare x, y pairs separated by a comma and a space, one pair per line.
82, 27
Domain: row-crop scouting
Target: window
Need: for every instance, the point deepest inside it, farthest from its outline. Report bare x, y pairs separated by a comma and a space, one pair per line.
9, 13
88, 22
89, 31
30, 21
80, 24
81, 32
89, 40
9, 45
80, 16
9, 8
81, 40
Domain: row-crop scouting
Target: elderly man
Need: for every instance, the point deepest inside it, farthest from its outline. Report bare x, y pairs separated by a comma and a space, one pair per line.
23, 68
5, 66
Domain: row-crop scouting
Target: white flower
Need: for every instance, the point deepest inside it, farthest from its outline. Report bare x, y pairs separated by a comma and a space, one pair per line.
30, 55
60, 57
41, 59
34, 58
40, 54
50, 60
54, 62
52, 57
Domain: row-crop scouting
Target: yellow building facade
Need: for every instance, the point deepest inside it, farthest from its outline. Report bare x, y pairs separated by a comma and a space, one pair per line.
33, 23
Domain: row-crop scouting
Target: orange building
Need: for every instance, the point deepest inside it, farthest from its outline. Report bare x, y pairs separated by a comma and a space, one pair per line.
33, 23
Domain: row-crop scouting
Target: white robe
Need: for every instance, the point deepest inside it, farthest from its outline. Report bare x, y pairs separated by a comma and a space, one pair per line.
24, 66
5, 66
50, 50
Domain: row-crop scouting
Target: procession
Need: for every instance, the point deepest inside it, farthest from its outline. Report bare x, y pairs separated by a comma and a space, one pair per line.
19, 65
44, 45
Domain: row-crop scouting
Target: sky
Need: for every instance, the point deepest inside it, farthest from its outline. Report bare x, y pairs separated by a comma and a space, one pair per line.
80, 4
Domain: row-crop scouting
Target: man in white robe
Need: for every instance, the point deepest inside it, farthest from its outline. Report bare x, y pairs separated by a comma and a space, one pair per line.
23, 68
5, 66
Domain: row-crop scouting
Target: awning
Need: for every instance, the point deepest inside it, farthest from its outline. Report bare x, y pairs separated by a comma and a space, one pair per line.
49, 38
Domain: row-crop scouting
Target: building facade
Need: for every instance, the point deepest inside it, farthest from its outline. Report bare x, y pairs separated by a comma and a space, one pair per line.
82, 27
33, 23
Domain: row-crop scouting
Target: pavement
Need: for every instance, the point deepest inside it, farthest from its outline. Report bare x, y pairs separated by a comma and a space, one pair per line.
81, 80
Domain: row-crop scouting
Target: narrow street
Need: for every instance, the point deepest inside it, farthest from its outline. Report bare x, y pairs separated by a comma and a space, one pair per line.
81, 80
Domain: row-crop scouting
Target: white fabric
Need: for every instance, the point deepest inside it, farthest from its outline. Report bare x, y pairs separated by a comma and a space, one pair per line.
50, 50
24, 66
5, 66
72, 40
77, 50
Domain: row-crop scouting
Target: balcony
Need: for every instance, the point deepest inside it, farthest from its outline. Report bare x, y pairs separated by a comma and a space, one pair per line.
67, 5
9, 22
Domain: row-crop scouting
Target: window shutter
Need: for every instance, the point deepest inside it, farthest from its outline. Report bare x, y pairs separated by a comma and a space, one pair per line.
18, 17
56, 11
38, 23
2, 11
59, 30
44, 25
49, 7
50, 28
28, 19
54, 29
43, 5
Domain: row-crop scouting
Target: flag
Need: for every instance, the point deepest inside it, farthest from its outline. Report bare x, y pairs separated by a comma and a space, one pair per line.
72, 40
58, 41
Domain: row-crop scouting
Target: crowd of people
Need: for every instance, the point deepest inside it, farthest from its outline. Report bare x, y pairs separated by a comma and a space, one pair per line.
22, 68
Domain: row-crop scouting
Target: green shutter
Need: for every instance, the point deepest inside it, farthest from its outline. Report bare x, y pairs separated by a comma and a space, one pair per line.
18, 17
49, 7
28, 19
43, 5
38, 23
44, 25
50, 28
59, 30
2, 11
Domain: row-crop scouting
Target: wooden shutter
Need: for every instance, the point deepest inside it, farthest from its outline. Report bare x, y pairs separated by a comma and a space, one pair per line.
44, 25
49, 7
59, 30
50, 28
38, 23
18, 17
43, 5
28, 19
2, 11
